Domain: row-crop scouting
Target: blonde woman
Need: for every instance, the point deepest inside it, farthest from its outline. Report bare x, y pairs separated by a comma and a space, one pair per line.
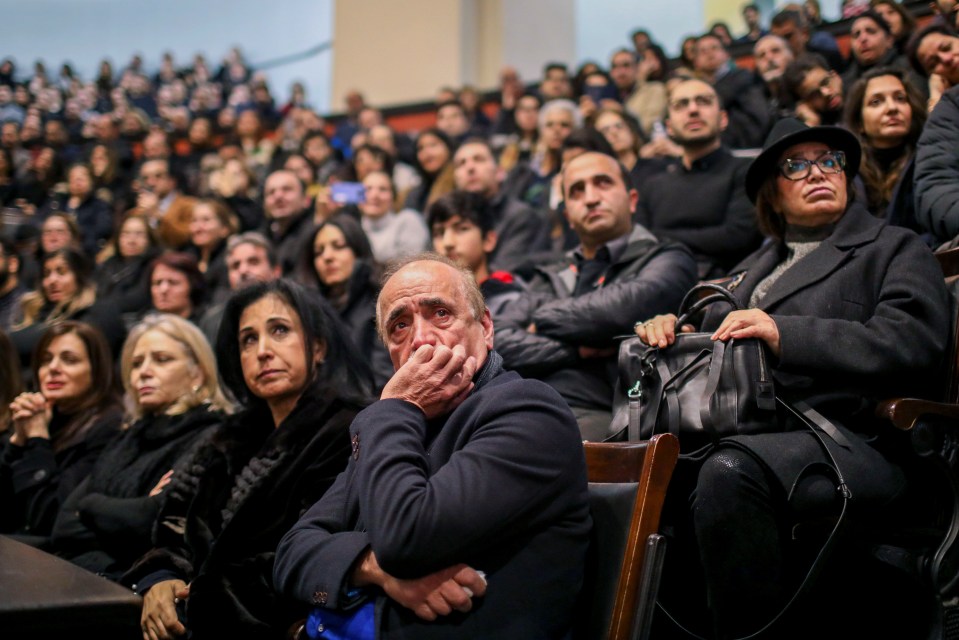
174, 400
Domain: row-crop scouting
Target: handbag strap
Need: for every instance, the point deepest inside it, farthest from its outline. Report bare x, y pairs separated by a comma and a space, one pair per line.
668, 391
691, 306
819, 426
712, 384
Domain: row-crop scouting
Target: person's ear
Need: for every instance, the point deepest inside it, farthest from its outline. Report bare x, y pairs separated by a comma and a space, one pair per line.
319, 352
197, 379
487, 322
489, 241
13, 264
723, 120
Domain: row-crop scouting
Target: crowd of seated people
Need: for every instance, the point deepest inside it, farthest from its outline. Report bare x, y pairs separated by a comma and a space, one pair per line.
192, 302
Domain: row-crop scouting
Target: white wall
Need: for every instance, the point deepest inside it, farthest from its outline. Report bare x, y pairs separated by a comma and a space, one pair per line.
602, 26
84, 31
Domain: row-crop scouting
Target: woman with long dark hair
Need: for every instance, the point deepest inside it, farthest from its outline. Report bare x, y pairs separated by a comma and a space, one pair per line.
434, 162
887, 113
60, 429
66, 292
285, 356
339, 263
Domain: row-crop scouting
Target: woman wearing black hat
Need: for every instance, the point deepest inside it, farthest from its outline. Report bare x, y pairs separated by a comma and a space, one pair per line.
852, 311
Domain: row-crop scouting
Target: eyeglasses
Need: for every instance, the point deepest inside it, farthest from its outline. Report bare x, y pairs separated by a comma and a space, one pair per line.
800, 168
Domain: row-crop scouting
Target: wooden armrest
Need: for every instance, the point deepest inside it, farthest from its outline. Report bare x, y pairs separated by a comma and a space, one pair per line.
904, 412
297, 630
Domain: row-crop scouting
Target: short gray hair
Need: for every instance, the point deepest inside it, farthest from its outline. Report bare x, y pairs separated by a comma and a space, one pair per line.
255, 238
469, 287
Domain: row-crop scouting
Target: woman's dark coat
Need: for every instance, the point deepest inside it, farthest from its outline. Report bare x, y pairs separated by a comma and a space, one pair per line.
229, 506
124, 283
863, 317
101, 314
35, 480
358, 312
216, 278
107, 522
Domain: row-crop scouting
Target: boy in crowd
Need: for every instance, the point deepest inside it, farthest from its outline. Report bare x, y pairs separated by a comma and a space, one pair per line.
461, 226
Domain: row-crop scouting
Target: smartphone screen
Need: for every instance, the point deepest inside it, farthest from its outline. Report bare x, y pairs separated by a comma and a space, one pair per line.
348, 192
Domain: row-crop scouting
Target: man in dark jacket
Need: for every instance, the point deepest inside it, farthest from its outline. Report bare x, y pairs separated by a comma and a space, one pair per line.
741, 95
564, 331
521, 229
285, 203
463, 509
719, 224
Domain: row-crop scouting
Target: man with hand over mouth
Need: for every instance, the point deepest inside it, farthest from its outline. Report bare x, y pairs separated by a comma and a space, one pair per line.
463, 510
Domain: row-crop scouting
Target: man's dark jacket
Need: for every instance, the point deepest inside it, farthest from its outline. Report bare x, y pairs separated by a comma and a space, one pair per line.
646, 278
498, 484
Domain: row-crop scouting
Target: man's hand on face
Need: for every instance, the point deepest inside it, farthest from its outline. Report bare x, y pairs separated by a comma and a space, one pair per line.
436, 379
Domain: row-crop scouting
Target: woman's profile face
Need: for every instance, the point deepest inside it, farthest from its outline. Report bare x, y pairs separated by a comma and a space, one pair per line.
59, 282
333, 258
886, 112
819, 198
892, 17
206, 230
161, 372
273, 352
65, 374
431, 153
134, 238
55, 234
170, 291
379, 195
616, 132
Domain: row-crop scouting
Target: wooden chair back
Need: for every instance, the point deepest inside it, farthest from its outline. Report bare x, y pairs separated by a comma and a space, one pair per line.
627, 485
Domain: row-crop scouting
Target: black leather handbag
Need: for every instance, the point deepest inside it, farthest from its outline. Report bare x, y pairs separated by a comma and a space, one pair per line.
697, 388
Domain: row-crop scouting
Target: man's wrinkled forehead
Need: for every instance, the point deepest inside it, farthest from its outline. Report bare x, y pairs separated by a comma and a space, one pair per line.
421, 279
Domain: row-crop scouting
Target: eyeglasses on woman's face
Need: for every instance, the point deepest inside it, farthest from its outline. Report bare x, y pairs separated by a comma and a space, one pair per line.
800, 168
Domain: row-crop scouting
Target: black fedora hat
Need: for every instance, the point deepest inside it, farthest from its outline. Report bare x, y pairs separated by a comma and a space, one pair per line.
790, 131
